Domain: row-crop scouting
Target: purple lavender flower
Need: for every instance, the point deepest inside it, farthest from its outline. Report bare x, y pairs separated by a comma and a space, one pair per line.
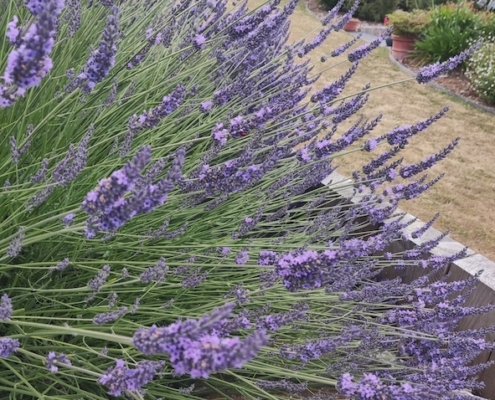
156, 273
410, 170
318, 40
274, 322
15, 245
330, 92
199, 42
54, 359
432, 71
125, 273
36, 6
161, 340
346, 17
284, 385
40, 175
194, 280
105, 318
401, 134
370, 144
242, 258
332, 13
220, 134
224, 250
206, 106
6, 308
366, 49
120, 378
13, 30
267, 257
68, 219
74, 161
112, 299
151, 118
8, 346
339, 50
102, 59
345, 385
96, 283
73, 16
419, 232
62, 265
135, 306
28, 63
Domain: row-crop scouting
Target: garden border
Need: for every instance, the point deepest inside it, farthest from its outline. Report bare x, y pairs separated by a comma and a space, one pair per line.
458, 270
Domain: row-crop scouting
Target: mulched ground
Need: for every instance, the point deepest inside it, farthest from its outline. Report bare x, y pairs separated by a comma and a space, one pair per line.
455, 81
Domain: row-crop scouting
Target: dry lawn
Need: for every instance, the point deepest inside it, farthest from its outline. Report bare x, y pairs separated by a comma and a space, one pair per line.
465, 196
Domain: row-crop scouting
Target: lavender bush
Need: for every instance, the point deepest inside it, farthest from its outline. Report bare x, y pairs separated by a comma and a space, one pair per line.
161, 236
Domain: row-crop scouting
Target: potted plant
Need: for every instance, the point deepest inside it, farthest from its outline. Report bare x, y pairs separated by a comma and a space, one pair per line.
408, 26
388, 39
352, 25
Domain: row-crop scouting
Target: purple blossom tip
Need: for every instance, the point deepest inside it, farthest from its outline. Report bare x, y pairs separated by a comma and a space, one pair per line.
6, 308
432, 71
8, 346
54, 359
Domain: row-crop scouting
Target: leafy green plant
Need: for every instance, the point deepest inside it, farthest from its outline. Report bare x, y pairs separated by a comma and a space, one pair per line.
368, 10
410, 5
408, 23
452, 28
481, 70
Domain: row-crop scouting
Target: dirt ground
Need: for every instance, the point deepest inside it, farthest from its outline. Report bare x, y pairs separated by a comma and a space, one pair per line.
465, 196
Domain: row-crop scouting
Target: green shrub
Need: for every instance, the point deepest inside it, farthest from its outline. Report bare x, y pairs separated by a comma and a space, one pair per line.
408, 23
481, 71
368, 10
409, 5
451, 30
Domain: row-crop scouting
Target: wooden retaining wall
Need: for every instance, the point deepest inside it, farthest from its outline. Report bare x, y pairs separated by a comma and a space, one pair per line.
458, 270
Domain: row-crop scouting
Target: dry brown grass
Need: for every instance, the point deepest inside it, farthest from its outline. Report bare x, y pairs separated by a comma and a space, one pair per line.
465, 197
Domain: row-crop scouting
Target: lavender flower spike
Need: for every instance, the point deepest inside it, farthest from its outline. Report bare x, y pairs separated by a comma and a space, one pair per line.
103, 59
432, 71
54, 359
8, 346
332, 13
30, 61
121, 379
5, 307
364, 50
339, 50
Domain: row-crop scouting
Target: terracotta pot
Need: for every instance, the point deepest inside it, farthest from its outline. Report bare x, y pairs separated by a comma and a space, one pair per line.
352, 25
402, 46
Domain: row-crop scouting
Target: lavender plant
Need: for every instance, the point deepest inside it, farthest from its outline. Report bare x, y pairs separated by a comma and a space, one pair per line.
164, 231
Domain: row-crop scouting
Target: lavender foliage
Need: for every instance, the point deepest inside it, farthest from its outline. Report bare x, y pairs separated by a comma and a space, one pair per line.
257, 151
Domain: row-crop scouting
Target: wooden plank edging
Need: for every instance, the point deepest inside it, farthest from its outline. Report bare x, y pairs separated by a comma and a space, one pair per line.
458, 270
